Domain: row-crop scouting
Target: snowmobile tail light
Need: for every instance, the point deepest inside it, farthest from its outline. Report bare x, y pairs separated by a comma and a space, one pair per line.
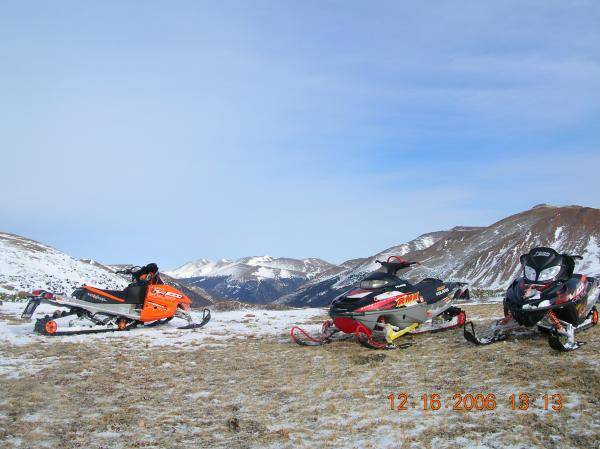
549, 273
530, 273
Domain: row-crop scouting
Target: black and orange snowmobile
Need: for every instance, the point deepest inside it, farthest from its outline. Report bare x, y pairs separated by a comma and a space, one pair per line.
146, 301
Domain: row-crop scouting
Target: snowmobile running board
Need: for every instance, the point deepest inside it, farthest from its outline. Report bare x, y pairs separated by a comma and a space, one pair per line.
48, 327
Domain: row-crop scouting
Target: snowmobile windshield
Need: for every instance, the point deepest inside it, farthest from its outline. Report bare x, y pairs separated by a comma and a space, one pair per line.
542, 265
377, 279
370, 284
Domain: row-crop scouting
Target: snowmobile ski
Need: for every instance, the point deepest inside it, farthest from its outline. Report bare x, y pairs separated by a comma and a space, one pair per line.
471, 336
191, 325
327, 335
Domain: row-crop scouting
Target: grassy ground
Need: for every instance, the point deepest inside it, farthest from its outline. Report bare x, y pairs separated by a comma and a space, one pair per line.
267, 392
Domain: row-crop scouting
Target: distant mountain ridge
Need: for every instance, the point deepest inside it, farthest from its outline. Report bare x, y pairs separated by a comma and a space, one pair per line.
257, 279
486, 257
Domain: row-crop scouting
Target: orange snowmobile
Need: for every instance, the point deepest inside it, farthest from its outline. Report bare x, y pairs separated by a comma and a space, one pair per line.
147, 300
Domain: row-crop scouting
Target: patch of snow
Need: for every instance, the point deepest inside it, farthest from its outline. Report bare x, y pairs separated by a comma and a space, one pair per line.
222, 326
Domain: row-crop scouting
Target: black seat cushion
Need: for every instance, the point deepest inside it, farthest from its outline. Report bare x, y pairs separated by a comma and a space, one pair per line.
428, 288
134, 294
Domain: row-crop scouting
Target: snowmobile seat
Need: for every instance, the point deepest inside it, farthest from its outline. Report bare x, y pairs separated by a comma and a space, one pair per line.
134, 294
428, 288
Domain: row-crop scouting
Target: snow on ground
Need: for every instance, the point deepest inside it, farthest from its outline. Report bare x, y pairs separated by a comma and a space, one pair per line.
237, 324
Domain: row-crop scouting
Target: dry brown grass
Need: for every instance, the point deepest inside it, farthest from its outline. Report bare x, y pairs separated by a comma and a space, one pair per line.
264, 393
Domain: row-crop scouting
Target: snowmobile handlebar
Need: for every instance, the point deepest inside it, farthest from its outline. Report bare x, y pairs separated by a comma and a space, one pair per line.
129, 270
398, 259
146, 273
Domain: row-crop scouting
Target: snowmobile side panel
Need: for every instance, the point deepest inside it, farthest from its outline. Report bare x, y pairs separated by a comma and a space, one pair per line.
161, 302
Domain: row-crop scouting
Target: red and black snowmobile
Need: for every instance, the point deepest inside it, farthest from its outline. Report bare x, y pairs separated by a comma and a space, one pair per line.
547, 295
384, 307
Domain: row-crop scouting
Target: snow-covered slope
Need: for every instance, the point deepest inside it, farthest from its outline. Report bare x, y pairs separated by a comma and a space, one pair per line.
26, 265
489, 258
486, 257
197, 268
258, 266
257, 279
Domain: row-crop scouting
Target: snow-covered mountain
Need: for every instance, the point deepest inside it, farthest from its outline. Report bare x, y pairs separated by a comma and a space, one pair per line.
198, 268
486, 257
26, 265
258, 279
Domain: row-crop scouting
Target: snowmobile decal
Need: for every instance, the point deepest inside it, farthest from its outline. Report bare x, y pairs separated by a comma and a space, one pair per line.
387, 295
101, 295
405, 300
442, 290
157, 306
160, 292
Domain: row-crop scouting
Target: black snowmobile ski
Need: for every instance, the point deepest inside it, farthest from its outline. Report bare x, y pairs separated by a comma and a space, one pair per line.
205, 319
560, 343
471, 335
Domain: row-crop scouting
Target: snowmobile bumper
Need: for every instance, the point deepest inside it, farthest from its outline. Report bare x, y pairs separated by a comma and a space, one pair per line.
348, 321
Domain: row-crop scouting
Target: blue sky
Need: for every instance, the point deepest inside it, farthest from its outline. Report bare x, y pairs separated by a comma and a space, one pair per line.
169, 131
